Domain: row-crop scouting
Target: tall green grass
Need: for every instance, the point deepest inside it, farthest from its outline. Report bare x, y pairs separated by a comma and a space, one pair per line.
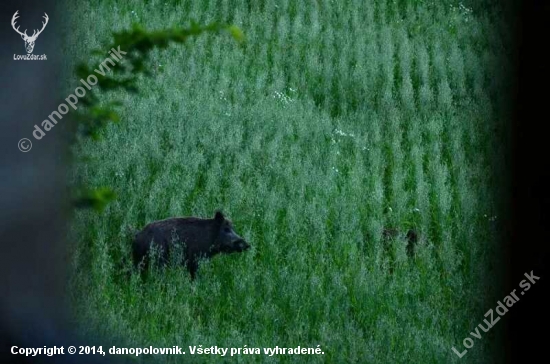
334, 121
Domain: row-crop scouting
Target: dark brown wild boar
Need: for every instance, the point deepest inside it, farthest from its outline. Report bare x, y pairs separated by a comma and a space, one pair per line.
200, 238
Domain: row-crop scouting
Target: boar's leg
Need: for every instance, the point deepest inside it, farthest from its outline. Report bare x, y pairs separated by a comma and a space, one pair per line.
192, 267
412, 239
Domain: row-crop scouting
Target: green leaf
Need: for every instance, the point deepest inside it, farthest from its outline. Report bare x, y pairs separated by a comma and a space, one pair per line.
236, 33
95, 198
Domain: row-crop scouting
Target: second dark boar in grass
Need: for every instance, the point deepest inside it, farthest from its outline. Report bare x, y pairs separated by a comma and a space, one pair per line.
201, 238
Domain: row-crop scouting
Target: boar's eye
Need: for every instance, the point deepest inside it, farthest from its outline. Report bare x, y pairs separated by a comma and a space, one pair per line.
227, 230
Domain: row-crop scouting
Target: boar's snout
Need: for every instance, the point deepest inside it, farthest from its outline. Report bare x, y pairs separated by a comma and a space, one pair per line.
231, 242
238, 244
241, 245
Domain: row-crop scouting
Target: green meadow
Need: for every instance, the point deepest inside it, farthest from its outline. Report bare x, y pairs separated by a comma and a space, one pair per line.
333, 121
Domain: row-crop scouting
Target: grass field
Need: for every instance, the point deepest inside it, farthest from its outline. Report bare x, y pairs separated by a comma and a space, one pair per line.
334, 121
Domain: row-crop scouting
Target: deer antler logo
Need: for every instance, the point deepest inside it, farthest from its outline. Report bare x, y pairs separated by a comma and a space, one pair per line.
29, 41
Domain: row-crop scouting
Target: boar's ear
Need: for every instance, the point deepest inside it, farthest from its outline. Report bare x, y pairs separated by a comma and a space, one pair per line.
219, 216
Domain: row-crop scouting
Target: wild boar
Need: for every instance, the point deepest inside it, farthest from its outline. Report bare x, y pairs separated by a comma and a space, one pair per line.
200, 238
